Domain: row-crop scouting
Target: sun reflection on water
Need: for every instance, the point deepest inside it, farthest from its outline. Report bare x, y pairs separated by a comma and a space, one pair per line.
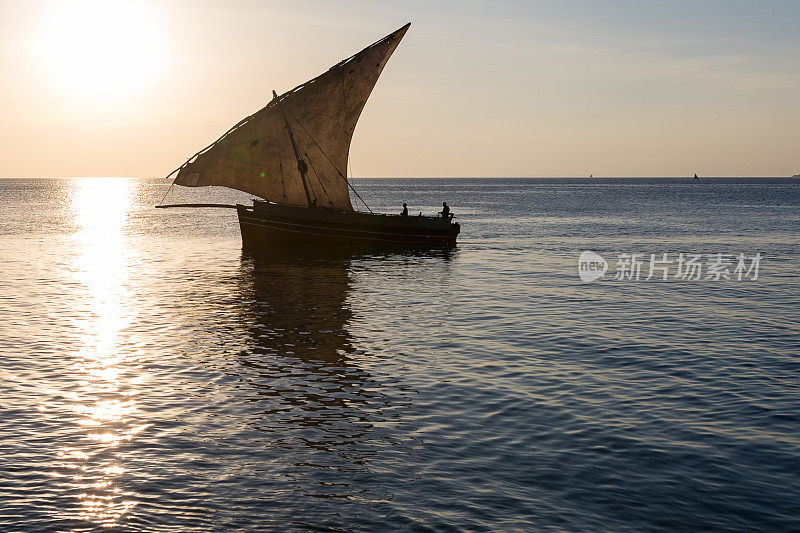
103, 399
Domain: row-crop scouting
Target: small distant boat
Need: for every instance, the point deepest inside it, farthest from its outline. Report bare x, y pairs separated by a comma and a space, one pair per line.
696, 177
591, 175
796, 176
292, 154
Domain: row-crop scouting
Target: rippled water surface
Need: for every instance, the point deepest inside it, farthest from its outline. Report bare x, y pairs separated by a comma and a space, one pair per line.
156, 378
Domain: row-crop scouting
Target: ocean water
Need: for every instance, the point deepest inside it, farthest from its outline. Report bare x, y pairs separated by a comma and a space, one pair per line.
155, 378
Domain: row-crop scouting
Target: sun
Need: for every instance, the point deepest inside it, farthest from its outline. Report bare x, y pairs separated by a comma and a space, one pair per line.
99, 48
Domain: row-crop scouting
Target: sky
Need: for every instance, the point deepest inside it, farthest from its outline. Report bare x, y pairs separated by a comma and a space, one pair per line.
491, 88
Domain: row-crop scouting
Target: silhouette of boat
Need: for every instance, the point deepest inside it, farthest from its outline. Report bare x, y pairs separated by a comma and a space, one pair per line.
292, 154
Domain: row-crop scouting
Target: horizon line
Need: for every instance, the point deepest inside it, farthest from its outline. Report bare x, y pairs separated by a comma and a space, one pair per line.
425, 177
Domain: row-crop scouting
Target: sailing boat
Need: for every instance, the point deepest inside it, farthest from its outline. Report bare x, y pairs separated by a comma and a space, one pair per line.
292, 154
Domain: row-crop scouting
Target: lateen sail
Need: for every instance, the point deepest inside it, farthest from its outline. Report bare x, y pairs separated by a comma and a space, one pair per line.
258, 155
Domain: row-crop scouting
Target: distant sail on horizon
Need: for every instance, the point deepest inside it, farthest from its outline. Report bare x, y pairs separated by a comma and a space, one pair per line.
294, 150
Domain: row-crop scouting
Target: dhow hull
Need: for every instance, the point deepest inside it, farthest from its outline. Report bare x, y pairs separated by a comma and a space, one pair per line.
266, 224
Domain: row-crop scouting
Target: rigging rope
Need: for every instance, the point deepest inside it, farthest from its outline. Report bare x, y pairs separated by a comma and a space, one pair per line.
171, 185
316, 174
329, 160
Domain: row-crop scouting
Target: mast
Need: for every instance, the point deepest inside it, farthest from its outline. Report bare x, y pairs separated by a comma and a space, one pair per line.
301, 165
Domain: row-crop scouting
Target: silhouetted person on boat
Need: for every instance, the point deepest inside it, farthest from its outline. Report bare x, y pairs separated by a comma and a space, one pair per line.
445, 212
405, 210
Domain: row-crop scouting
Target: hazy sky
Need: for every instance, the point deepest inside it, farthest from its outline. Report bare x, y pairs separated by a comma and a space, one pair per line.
503, 88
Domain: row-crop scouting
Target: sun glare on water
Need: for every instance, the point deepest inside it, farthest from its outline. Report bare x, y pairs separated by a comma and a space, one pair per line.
99, 48
103, 392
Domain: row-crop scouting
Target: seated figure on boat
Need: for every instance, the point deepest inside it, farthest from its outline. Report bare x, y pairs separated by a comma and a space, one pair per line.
445, 212
405, 210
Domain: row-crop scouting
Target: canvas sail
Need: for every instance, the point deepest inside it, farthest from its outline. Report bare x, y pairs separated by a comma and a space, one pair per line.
294, 151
